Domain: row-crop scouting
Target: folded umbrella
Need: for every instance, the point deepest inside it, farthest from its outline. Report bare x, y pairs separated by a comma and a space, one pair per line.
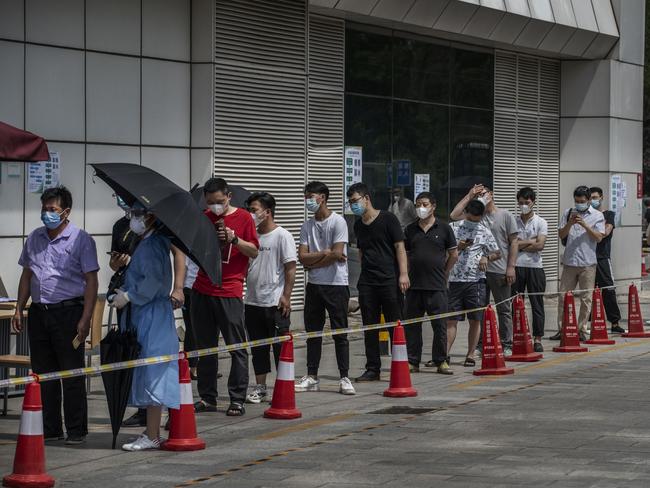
20, 145
183, 221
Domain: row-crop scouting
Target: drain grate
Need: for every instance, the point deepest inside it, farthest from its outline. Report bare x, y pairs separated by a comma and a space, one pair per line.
397, 410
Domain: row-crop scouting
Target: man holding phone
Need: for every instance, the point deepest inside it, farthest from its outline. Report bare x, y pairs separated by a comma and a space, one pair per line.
581, 229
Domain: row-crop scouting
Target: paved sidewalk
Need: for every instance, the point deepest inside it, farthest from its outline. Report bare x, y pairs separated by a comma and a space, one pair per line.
571, 420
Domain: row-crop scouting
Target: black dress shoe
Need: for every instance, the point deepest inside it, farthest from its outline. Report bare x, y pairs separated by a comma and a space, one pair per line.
537, 347
556, 337
367, 376
617, 329
136, 420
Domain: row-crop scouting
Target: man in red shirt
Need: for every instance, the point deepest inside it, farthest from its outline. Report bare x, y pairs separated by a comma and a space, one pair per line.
217, 308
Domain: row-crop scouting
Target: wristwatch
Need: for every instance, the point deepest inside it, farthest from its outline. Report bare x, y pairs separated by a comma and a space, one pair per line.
234, 241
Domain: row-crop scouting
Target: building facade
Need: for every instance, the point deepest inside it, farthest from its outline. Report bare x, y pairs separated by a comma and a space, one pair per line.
437, 94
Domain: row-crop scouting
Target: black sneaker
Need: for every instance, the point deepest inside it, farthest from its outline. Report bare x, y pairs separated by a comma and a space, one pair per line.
367, 376
617, 329
537, 347
54, 438
75, 440
556, 337
136, 420
203, 406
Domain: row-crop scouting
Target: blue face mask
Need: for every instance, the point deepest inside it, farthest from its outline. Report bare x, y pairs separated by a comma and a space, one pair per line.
51, 220
312, 205
581, 207
595, 203
358, 209
469, 225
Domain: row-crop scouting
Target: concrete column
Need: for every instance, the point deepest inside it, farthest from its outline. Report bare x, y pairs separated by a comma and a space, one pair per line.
601, 130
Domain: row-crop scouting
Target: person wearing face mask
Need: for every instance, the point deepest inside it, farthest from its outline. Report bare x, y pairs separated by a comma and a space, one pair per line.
220, 308
60, 266
477, 247
581, 229
323, 252
402, 208
501, 272
384, 271
604, 271
146, 291
271, 276
431, 248
531, 278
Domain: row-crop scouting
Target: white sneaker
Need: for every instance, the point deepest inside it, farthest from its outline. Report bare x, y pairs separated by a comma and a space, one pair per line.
507, 351
142, 443
308, 383
258, 395
345, 387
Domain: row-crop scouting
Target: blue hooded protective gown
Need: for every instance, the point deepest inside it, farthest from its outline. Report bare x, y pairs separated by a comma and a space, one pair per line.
148, 282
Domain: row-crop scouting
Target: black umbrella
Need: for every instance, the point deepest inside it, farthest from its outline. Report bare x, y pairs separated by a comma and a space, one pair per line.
118, 345
182, 219
239, 196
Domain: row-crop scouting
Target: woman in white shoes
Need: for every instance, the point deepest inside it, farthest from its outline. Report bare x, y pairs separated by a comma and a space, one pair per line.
146, 291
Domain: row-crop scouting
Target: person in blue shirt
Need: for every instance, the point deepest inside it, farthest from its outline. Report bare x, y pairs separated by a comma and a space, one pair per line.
146, 290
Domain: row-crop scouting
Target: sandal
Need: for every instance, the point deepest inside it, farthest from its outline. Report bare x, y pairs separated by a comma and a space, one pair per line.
203, 406
469, 363
235, 410
430, 364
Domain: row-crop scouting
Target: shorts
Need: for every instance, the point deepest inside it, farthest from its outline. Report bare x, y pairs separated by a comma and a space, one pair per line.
465, 296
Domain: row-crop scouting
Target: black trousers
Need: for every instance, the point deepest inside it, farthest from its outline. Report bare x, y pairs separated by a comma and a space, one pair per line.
263, 323
418, 303
332, 299
532, 280
211, 315
189, 344
375, 300
51, 333
605, 277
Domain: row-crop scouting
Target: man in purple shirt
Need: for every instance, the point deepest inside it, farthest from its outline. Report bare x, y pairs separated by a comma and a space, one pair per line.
60, 268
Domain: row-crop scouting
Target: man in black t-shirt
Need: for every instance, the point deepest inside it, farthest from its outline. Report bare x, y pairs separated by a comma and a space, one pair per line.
383, 269
431, 248
604, 272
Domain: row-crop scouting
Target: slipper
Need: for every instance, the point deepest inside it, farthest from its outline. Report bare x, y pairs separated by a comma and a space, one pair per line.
430, 364
235, 410
469, 363
203, 406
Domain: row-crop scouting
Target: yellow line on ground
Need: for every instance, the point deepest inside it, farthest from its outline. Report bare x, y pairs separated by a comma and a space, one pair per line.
305, 426
568, 358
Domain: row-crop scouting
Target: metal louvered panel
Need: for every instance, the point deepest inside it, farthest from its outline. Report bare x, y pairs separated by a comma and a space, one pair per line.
325, 102
526, 139
260, 104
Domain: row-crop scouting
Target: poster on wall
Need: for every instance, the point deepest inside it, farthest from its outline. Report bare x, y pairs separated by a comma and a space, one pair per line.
422, 183
352, 171
617, 197
44, 174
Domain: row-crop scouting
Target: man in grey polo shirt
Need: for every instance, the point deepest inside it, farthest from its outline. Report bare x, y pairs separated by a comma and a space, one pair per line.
581, 229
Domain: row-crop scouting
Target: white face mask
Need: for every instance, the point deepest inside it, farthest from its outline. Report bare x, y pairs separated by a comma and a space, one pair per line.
485, 199
138, 225
258, 220
217, 208
423, 212
396, 198
525, 209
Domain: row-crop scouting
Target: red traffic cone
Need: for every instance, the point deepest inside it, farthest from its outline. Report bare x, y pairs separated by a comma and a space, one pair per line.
492, 362
283, 404
570, 341
182, 423
598, 334
29, 462
634, 319
522, 345
400, 377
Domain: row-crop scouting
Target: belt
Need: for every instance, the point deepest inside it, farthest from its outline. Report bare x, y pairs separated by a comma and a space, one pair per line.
73, 302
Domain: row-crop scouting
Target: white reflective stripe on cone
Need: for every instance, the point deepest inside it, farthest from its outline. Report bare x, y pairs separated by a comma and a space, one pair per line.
399, 353
285, 371
186, 394
31, 423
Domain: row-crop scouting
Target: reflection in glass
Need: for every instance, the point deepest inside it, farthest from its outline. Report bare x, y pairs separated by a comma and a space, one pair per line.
472, 75
420, 70
367, 63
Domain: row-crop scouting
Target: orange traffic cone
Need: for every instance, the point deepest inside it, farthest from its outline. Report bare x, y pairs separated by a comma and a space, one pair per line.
29, 462
634, 319
400, 377
570, 341
492, 362
182, 423
522, 345
283, 404
598, 334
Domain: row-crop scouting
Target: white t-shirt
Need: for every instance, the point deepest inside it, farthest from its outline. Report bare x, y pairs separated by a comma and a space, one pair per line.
265, 281
535, 226
320, 235
191, 270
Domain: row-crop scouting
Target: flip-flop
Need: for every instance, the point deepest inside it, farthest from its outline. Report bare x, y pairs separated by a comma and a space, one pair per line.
469, 363
235, 410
